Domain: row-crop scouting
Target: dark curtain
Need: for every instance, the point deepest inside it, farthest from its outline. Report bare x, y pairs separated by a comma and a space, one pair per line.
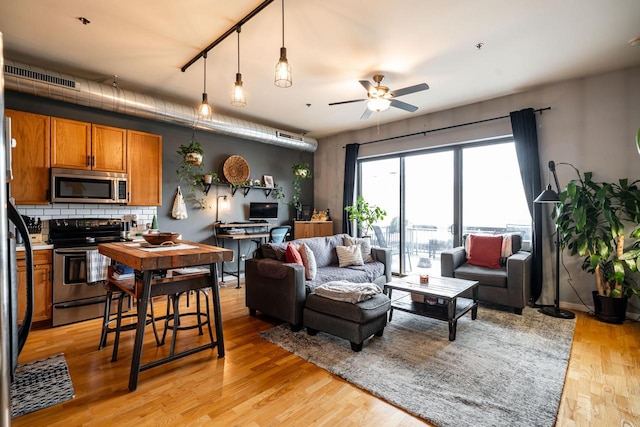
523, 124
351, 157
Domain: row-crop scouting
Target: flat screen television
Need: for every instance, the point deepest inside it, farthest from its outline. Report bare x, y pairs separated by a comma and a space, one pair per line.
263, 211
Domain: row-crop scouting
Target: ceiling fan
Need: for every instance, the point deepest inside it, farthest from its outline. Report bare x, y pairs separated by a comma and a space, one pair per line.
379, 98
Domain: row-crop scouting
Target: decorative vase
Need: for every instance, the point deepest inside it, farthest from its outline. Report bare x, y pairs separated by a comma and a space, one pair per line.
208, 178
193, 158
610, 310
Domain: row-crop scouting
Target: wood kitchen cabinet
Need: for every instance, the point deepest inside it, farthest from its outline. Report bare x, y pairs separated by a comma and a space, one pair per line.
42, 288
303, 229
144, 168
31, 159
81, 145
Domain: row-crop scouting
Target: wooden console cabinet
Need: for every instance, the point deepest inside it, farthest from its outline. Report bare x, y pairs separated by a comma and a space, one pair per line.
42, 288
303, 229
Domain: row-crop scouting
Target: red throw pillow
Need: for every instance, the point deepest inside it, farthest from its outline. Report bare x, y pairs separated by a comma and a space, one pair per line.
485, 251
293, 255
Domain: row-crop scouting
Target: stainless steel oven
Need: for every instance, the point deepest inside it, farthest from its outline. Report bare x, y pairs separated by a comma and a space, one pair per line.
74, 299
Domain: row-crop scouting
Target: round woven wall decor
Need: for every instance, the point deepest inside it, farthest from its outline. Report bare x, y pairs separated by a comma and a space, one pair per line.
236, 169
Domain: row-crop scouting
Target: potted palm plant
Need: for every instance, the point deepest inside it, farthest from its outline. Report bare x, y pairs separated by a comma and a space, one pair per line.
365, 214
591, 218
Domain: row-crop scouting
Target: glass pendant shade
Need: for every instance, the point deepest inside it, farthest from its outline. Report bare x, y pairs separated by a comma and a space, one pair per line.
238, 98
283, 70
378, 104
205, 109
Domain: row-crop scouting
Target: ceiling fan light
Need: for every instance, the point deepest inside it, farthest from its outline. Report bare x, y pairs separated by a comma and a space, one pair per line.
205, 109
378, 104
238, 98
283, 70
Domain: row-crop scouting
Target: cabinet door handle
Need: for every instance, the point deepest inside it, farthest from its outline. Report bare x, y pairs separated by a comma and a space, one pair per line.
93, 160
88, 160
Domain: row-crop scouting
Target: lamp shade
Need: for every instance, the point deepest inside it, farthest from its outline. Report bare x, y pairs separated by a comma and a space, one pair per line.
378, 104
547, 196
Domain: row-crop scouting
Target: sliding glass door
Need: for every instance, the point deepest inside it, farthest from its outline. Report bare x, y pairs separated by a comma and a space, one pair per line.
434, 196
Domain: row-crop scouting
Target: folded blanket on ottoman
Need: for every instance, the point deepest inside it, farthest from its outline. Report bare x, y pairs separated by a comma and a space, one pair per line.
342, 290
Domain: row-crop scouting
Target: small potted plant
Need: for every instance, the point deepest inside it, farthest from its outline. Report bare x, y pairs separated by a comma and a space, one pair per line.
365, 215
591, 219
192, 153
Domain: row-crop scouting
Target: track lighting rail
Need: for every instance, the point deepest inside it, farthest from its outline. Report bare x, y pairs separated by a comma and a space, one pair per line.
227, 33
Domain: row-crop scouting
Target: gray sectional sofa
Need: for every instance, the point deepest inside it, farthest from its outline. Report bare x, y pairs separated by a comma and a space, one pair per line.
279, 289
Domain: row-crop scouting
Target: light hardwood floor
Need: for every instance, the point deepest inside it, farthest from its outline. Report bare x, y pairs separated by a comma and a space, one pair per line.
259, 384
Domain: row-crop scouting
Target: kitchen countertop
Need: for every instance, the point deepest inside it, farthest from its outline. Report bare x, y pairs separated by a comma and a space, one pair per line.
35, 246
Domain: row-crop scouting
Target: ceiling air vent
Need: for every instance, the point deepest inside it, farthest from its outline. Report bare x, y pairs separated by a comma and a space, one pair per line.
41, 77
289, 136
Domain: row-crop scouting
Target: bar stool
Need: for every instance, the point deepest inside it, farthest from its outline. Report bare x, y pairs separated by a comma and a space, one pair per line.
172, 320
116, 294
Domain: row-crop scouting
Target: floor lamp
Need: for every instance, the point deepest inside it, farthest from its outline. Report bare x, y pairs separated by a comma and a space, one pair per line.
550, 196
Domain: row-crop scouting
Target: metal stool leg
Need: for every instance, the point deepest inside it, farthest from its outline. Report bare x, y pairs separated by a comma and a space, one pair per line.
105, 322
116, 342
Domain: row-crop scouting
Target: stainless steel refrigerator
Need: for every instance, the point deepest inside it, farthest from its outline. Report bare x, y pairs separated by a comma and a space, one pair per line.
12, 226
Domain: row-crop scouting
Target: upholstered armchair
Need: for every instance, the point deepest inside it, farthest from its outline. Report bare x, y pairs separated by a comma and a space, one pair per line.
506, 281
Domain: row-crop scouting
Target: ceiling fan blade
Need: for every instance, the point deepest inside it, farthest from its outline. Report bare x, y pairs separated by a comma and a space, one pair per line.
366, 114
408, 90
367, 85
403, 105
347, 102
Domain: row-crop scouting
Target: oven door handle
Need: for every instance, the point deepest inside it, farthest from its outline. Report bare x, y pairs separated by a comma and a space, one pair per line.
73, 251
82, 303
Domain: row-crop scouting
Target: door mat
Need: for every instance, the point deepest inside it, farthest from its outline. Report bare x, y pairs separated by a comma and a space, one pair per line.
40, 384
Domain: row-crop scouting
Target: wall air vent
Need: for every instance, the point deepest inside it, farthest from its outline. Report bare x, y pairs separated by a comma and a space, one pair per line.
289, 136
41, 77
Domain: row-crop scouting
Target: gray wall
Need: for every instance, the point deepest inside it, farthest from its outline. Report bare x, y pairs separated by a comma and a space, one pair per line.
263, 159
592, 124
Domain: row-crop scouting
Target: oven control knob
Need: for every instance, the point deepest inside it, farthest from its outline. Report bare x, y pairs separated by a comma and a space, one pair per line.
90, 239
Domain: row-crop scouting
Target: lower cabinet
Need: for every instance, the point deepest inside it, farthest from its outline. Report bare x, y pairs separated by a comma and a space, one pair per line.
42, 298
303, 229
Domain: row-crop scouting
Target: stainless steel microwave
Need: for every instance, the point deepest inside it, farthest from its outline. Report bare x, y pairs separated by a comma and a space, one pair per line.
83, 186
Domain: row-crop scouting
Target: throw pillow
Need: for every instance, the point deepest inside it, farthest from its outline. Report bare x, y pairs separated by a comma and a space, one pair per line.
349, 255
293, 255
309, 261
485, 251
365, 246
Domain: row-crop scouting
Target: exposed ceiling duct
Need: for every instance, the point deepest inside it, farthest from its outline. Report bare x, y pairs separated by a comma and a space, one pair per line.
37, 81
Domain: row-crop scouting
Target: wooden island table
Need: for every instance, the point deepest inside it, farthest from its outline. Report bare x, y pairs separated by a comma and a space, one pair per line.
154, 261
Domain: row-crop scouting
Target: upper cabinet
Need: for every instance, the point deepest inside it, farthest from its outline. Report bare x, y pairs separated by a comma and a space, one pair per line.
80, 145
145, 168
31, 181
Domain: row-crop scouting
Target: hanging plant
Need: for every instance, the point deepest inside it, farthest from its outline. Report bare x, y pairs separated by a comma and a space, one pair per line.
191, 173
300, 171
192, 153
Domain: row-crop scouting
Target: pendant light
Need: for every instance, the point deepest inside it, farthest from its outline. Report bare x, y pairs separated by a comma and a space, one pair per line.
205, 109
283, 69
238, 97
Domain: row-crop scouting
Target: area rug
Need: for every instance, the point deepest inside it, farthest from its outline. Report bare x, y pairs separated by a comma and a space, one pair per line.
502, 369
40, 384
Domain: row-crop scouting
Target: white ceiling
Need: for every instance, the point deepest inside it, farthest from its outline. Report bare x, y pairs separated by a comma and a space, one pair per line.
331, 44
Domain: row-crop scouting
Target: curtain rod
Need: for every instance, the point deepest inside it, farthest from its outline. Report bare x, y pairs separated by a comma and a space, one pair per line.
425, 132
230, 31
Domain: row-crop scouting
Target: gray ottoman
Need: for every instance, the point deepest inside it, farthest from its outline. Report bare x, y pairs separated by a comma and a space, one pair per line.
353, 322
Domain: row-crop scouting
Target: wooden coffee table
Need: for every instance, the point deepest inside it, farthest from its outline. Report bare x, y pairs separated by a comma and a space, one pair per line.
443, 294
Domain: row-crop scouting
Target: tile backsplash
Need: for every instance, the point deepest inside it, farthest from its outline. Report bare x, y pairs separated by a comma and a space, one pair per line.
78, 210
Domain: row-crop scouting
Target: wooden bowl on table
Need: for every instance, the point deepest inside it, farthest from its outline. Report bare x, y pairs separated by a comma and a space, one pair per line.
161, 238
